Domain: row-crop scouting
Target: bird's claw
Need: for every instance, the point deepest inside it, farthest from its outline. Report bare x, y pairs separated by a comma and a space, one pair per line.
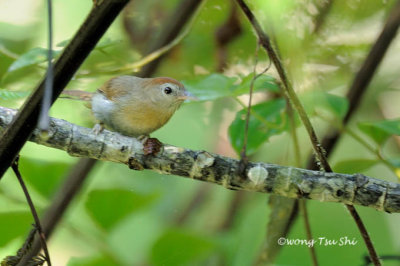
151, 146
98, 128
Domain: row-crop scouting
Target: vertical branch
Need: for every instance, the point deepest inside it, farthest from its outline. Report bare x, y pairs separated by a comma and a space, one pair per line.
288, 89
303, 208
302, 203
62, 199
34, 214
243, 156
48, 89
320, 154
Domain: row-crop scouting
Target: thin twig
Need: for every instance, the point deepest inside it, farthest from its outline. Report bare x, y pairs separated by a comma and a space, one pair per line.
288, 89
48, 88
14, 166
62, 199
247, 119
303, 208
319, 152
302, 203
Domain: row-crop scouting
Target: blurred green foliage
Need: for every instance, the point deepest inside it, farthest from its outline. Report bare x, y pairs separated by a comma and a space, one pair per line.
123, 217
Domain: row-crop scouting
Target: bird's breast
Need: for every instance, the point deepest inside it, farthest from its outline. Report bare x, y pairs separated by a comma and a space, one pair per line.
138, 119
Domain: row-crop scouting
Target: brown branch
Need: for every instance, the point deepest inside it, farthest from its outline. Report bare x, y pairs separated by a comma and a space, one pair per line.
319, 152
64, 196
95, 25
42, 235
288, 89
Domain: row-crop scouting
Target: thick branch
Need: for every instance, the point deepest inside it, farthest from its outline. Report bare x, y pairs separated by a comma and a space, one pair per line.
100, 18
260, 177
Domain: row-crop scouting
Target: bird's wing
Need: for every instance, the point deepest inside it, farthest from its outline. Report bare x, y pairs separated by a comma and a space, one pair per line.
115, 87
77, 95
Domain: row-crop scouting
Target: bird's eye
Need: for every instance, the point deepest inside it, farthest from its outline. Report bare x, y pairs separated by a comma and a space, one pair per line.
167, 90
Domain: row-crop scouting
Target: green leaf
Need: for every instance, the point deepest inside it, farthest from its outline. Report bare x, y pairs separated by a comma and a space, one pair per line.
178, 247
380, 131
103, 43
210, 87
314, 100
12, 95
13, 225
32, 57
263, 82
216, 86
268, 120
44, 176
354, 165
63, 43
108, 207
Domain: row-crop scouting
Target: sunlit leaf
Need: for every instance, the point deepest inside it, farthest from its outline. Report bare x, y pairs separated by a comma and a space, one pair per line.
13, 225
315, 100
380, 131
103, 43
109, 206
211, 87
268, 119
63, 43
354, 165
12, 95
263, 82
32, 57
216, 86
178, 247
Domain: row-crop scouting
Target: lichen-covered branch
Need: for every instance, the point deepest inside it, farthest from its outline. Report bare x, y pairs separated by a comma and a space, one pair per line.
289, 182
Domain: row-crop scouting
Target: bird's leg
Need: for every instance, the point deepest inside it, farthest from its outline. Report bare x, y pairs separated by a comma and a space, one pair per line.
143, 138
151, 146
98, 128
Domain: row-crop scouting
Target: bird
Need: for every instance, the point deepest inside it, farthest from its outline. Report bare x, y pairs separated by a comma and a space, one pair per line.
134, 106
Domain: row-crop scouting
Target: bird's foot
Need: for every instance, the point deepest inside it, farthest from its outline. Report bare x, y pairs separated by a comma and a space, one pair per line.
98, 128
151, 146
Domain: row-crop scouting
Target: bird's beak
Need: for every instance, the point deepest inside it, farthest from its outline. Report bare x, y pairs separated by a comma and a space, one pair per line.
188, 96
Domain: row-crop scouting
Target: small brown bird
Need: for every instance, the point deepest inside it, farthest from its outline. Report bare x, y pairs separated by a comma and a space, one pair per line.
135, 106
